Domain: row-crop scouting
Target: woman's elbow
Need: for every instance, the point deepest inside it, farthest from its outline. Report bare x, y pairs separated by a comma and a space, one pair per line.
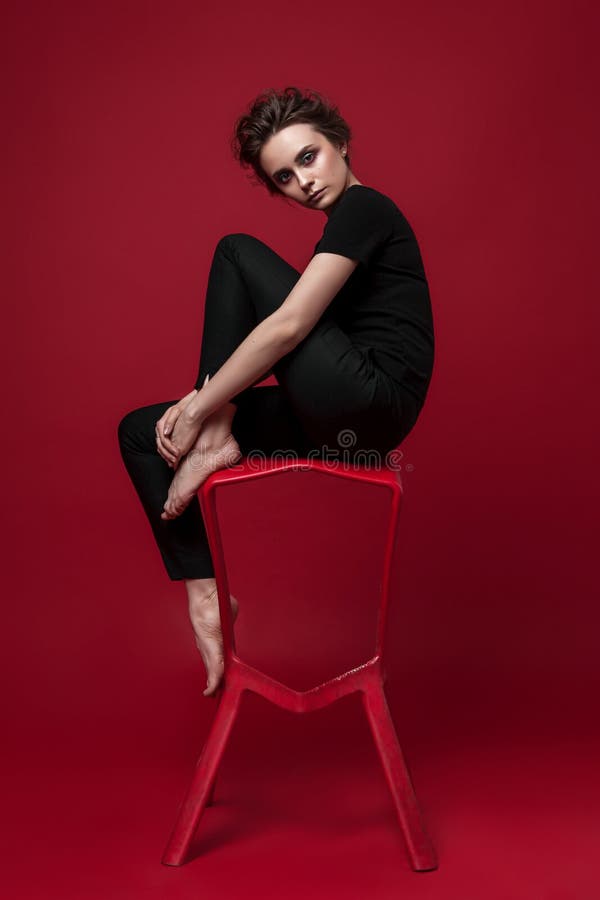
291, 332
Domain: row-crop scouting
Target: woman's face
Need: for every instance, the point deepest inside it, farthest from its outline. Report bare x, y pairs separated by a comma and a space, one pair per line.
301, 161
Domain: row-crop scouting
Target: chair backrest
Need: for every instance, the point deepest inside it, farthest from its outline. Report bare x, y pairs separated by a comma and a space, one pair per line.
249, 469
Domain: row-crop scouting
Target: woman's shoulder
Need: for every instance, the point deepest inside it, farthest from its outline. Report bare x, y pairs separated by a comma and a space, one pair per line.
366, 197
363, 220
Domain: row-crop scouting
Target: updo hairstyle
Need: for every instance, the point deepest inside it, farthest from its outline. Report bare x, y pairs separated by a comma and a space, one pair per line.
273, 110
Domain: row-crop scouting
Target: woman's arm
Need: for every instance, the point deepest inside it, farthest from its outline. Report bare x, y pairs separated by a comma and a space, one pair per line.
275, 336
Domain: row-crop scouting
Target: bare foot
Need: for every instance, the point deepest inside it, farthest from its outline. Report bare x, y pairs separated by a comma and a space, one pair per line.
194, 469
206, 622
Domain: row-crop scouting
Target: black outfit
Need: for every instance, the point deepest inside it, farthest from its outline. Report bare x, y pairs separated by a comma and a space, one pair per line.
384, 306
363, 370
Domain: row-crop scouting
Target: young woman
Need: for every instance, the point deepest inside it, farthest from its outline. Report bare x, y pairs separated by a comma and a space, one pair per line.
350, 341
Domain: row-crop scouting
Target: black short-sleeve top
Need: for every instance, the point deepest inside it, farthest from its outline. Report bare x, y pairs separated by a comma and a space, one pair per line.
385, 305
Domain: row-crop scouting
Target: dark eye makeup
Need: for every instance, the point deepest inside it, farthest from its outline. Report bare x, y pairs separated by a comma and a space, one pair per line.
304, 155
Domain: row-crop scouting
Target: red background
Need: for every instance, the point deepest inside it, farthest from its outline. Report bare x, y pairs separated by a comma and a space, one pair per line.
479, 120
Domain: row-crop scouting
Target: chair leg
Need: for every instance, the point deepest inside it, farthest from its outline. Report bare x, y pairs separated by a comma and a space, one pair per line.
210, 799
211, 793
202, 783
420, 850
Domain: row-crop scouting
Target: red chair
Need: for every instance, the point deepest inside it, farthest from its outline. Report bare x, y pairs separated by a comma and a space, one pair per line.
367, 678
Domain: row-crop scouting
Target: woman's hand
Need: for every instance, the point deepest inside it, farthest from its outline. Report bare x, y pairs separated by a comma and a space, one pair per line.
168, 449
184, 436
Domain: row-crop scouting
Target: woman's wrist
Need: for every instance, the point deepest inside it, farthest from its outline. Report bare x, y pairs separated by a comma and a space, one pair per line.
192, 412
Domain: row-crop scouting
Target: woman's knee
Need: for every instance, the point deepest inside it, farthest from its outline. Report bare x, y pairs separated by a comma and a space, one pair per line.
134, 425
239, 242
127, 426
138, 427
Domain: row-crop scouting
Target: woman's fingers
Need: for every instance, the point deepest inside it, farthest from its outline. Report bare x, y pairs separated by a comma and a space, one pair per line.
169, 419
174, 412
168, 457
165, 447
170, 453
164, 427
168, 426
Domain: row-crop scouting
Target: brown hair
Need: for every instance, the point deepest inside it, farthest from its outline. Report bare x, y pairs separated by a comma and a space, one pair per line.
273, 110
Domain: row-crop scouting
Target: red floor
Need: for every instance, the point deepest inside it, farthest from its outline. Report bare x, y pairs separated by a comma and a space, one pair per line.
103, 719
302, 809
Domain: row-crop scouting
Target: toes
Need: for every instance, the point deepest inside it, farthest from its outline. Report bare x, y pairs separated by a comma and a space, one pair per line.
211, 683
172, 510
212, 687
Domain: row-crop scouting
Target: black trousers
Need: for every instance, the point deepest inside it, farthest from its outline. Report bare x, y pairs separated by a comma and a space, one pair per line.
331, 400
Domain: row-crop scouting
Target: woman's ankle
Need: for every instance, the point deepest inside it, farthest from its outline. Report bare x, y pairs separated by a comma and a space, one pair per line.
200, 590
223, 416
216, 429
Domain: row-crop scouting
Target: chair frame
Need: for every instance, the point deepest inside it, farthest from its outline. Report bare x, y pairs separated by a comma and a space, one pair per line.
368, 678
